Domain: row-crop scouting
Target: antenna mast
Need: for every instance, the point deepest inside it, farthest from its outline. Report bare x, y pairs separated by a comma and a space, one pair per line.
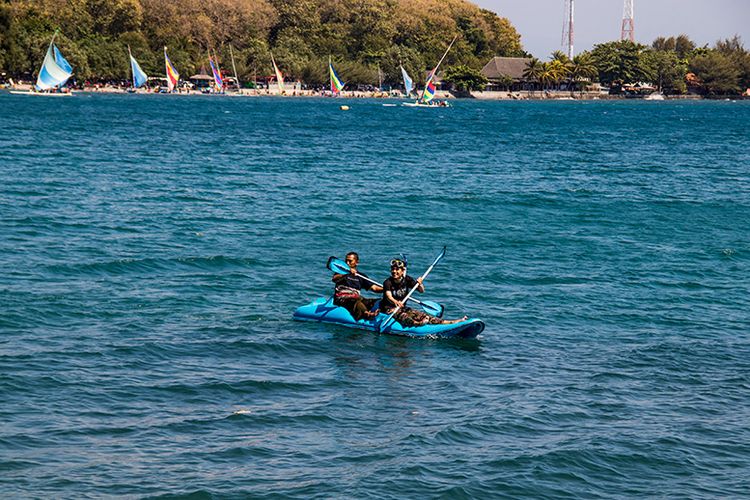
568, 32
628, 22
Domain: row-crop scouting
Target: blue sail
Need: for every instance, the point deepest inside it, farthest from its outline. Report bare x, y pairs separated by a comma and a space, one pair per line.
55, 70
139, 77
408, 85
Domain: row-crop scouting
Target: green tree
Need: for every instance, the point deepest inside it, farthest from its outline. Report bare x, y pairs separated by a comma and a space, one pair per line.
582, 71
533, 71
465, 78
716, 73
669, 71
623, 62
734, 50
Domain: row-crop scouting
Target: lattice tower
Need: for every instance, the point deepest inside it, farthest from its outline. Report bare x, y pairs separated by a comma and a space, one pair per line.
628, 22
568, 32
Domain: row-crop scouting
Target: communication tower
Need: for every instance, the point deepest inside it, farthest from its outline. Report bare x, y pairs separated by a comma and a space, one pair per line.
628, 22
567, 33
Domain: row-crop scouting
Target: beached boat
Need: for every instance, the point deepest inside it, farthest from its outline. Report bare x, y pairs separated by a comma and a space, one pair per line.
54, 73
322, 310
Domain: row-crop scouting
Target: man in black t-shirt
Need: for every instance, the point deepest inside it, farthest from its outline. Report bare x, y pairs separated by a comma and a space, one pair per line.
395, 290
347, 293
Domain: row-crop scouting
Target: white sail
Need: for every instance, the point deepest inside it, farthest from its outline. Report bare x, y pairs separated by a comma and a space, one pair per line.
408, 83
55, 70
279, 76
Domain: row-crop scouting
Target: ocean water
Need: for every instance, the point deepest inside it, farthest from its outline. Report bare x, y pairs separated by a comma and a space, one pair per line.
153, 249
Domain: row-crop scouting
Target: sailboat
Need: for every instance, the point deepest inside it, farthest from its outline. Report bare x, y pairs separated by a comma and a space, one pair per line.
139, 77
218, 81
55, 71
408, 82
429, 88
234, 68
279, 76
172, 75
336, 84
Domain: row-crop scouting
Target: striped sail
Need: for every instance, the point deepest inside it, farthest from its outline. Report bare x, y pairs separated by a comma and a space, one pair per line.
429, 91
55, 70
139, 77
279, 76
217, 74
336, 84
172, 75
408, 83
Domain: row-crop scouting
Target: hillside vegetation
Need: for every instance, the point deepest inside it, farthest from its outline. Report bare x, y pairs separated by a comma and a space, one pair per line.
360, 35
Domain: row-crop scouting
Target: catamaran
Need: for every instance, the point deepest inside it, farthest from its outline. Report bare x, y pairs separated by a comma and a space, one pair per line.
139, 77
429, 88
55, 71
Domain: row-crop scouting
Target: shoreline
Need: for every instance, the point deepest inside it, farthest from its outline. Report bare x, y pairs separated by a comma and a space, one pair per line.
523, 95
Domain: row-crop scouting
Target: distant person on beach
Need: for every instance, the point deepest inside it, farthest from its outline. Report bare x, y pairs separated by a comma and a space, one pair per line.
347, 292
395, 290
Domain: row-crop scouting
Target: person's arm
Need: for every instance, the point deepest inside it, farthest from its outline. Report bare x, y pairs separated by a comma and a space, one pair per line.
376, 288
337, 277
392, 299
411, 282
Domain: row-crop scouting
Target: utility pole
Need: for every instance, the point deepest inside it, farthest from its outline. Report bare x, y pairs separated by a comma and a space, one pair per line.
568, 31
628, 22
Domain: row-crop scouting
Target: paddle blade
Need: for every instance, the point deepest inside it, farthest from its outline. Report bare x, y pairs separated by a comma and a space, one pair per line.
338, 266
431, 308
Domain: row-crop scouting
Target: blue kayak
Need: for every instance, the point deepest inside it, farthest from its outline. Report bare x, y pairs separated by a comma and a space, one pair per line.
323, 310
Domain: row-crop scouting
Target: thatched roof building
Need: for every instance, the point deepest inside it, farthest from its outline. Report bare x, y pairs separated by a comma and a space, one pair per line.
500, 67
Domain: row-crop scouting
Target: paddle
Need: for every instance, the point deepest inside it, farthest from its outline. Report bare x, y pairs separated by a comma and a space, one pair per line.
340, 267
385, 323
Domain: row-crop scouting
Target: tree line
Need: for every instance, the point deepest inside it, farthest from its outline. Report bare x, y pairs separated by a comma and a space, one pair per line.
671, 64
367, 39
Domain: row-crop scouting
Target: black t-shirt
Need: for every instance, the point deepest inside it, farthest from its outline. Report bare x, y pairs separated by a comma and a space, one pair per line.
398, 290
353, 282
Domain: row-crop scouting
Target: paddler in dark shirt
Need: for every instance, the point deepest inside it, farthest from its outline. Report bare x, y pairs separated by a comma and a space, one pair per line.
395, 290
347, 293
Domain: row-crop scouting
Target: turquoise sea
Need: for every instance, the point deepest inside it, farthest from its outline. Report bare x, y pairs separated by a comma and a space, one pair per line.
153, 249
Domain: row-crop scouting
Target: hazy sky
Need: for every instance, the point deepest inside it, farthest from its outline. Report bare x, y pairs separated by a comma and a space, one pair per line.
540, 22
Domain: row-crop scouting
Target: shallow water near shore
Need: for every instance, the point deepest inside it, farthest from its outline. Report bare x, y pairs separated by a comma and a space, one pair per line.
154, 248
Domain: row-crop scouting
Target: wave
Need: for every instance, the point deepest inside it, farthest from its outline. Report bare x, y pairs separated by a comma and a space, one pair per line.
146, 265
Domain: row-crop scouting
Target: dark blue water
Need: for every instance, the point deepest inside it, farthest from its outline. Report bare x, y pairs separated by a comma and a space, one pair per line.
153, 249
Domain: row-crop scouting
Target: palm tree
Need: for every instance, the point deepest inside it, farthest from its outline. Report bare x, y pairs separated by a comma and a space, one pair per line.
559, 55
534, 69
582, 69
558, 70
